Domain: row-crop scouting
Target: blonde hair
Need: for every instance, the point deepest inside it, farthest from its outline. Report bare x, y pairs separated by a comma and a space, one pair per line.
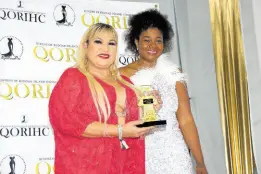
99, 96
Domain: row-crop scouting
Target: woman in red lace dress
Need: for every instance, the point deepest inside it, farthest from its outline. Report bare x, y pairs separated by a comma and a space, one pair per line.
92, 108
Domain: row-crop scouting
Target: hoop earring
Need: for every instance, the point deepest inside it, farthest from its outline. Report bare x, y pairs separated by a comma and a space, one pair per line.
114, 70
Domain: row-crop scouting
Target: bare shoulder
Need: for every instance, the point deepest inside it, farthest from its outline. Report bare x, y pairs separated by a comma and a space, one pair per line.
128, 70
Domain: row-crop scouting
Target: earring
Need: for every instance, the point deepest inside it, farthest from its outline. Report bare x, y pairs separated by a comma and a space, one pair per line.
114, 70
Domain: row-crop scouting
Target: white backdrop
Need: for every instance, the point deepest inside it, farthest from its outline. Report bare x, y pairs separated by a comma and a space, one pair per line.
38, 41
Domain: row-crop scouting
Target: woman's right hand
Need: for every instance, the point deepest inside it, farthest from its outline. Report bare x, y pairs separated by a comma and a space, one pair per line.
130, 129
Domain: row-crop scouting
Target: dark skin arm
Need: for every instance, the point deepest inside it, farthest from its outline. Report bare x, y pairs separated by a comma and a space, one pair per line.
188, 127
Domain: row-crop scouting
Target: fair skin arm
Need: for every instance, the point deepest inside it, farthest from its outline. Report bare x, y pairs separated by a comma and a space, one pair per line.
71, 115
188, 126
129, 130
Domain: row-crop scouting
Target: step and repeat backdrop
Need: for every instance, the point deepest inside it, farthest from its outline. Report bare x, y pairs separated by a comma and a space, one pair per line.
38, 41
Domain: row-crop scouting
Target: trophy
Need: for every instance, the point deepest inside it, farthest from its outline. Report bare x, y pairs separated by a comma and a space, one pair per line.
147, 102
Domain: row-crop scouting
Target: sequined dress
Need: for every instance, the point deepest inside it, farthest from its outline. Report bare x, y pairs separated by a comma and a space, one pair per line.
165, 149
71, 110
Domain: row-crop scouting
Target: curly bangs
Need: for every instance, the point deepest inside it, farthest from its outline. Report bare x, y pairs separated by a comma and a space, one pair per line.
148, 19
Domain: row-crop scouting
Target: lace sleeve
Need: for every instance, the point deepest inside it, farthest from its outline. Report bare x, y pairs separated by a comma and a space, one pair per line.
66, 105
180, 76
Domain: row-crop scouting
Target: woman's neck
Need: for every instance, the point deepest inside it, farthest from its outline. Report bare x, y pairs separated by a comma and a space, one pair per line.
145, 64
104, 74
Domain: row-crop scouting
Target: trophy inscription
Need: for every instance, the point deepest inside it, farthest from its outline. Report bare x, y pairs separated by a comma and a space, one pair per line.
147, 102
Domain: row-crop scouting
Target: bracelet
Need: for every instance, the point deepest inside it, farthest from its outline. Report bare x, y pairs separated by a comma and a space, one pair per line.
105, 132
123, 144
120, 132
121, 114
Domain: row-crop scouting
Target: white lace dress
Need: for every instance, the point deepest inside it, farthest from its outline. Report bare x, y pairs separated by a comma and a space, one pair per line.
166, 150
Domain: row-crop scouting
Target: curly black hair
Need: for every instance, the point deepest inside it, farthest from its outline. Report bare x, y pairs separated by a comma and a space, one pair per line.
144, 20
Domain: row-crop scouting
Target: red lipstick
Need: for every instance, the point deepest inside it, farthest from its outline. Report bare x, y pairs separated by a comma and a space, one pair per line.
104, 56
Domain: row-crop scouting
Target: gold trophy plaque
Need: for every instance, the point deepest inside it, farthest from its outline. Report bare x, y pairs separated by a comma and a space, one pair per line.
147, 102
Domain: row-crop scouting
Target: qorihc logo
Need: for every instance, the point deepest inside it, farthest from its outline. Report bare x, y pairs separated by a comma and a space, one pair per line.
64, 15
24, 129
11, 48
12, 164
20, 14
51, 52
25, 89
126, 59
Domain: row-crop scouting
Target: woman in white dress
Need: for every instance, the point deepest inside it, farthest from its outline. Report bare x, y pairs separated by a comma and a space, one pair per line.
149, 36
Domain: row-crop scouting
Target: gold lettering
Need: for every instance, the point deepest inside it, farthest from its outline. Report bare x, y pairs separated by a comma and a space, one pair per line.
125, 22
39, 91
46, 164
60, 53
70, 53
84, 20
18, 93
44, 57
99, 20
25, 90
55, 53
115, 20
48, 86
8, 95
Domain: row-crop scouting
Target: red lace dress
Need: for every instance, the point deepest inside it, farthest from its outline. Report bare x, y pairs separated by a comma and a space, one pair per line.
71, 109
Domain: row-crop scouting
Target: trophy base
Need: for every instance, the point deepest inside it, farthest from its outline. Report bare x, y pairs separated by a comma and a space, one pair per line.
152, 123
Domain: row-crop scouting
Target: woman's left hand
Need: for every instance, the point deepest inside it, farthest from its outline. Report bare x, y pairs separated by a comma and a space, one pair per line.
157, 96
201, 169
